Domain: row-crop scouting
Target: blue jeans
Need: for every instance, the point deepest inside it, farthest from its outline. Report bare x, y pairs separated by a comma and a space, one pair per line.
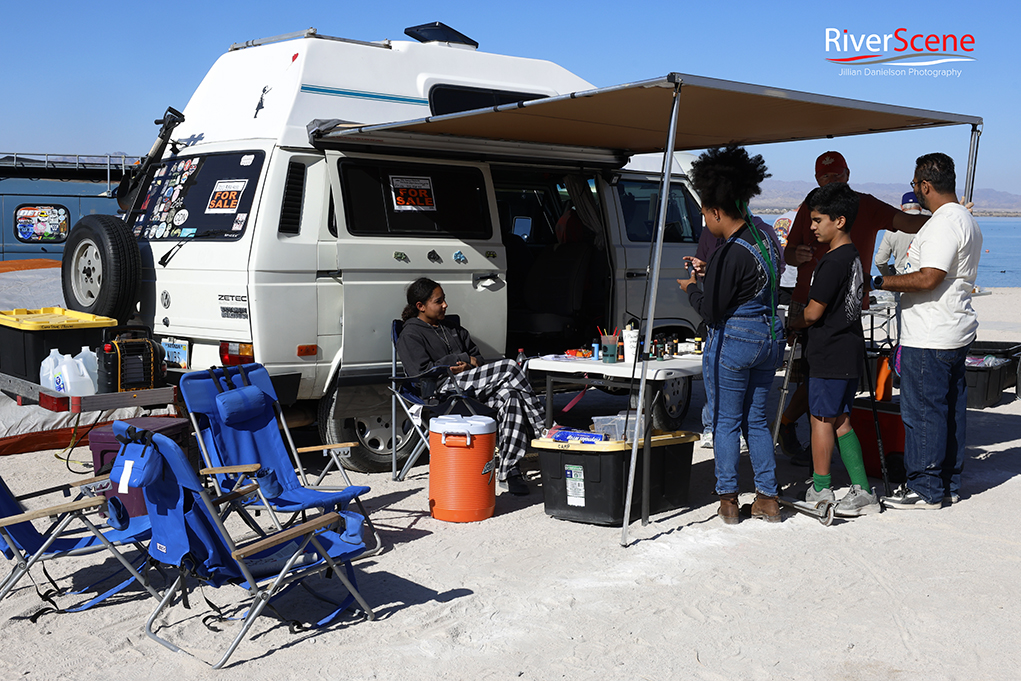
743, 362
933, 406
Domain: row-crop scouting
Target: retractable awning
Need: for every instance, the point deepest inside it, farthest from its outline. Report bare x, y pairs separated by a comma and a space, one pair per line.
633, 118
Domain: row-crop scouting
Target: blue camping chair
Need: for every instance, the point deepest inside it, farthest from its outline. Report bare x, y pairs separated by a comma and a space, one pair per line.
240, 427
188, 533
72, 534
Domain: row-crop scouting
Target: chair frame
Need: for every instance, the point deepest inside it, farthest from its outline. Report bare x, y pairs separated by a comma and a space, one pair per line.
88, 502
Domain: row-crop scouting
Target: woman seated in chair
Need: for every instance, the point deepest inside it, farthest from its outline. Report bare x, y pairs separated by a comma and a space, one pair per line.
429, 340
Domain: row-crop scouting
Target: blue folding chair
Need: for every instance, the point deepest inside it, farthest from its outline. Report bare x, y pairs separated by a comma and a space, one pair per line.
72, 534
188, 534
240, 426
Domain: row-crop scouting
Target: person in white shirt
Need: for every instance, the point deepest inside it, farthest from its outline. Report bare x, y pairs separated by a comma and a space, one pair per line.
939, 324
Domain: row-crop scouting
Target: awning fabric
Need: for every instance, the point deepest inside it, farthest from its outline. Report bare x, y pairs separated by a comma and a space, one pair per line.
634, 118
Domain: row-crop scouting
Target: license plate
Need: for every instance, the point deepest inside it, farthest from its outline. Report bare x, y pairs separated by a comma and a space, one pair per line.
177, 351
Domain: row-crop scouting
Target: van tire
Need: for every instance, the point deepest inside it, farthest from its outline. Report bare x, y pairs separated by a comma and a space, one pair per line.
101, 269
671, 406
372, 433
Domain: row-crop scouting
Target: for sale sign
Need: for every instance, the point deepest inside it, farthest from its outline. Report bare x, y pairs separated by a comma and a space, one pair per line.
412, 193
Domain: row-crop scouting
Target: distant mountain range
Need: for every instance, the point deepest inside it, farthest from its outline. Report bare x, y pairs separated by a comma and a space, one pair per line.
779, 196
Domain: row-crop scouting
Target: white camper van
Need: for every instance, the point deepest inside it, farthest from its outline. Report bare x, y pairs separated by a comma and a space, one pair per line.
256, 243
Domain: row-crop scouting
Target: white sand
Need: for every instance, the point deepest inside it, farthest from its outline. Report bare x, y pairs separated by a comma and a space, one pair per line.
901, 595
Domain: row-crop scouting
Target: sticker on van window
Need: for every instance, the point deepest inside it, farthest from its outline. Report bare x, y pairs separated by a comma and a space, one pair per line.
412, 193
247, 159
226, 196
41, 223
239, 222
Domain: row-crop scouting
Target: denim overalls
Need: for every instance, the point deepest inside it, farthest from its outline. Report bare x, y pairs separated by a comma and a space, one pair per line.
742, 358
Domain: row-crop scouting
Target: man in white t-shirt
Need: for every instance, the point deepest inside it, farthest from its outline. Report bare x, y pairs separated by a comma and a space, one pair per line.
939, 324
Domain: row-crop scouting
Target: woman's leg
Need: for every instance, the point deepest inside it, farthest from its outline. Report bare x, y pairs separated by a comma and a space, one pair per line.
760, 440
503, 386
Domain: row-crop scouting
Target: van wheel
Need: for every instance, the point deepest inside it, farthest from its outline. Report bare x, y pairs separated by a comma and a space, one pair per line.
670, 408
372, 433
101, 268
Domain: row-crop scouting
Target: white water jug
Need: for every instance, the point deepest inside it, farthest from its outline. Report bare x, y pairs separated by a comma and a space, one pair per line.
88, 358
48, 367
72, 378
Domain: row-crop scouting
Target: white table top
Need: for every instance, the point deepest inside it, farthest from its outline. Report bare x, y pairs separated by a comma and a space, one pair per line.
685, 365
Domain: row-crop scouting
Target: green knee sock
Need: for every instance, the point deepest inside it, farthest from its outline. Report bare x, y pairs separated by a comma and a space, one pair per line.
850, 454
821, 481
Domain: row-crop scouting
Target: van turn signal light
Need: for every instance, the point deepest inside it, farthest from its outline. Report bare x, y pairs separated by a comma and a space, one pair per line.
308, 350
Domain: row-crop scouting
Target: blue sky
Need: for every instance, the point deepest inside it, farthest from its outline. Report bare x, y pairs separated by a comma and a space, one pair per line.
83, 77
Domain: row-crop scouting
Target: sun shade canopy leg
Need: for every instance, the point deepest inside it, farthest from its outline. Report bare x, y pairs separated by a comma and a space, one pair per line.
969, 178
664, 196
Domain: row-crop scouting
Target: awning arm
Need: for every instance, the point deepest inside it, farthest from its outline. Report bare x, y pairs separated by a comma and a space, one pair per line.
969, 178
643, 351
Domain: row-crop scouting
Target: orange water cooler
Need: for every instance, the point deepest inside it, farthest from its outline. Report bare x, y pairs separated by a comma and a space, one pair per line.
462, 468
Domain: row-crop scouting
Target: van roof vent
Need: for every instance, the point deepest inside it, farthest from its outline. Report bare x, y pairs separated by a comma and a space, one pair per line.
438, 32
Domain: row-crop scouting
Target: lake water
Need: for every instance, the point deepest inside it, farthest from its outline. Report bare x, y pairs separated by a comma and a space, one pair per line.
1000, 265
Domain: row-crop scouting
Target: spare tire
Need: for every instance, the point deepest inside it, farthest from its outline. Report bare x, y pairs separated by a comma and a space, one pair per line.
101, 268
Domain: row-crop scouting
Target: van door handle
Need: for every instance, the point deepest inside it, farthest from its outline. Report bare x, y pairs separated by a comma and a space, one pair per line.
635, 274
485, 280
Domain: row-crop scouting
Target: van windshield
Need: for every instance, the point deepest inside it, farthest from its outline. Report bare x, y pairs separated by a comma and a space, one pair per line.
208, 196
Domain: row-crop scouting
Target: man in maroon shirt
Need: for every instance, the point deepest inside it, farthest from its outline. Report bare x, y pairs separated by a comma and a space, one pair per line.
804, 251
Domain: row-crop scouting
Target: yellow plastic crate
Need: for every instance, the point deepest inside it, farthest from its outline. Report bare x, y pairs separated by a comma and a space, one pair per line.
52, 318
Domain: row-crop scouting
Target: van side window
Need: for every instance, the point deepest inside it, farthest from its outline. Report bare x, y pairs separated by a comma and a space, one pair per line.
398, 199
200, 196
639, 201
294, 194
445, 99
41, 223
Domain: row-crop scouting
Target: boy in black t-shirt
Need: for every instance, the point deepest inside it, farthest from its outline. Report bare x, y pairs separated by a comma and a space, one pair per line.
835, 349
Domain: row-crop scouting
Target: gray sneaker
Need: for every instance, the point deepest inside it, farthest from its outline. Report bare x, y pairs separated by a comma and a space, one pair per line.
857, 502
813, 497
706, 441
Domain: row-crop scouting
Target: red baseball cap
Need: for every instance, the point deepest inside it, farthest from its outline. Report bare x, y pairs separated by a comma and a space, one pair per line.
830, 162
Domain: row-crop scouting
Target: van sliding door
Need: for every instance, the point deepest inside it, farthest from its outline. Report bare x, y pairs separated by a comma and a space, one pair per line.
400, 220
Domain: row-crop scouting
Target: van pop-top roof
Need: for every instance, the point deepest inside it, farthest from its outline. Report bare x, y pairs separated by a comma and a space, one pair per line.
271, 89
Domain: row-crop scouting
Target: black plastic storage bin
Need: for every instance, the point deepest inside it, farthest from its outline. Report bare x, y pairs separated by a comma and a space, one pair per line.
27, 336
104, 447
588, 483
986, 384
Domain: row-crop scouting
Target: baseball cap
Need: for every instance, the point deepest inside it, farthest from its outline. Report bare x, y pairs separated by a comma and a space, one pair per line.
909, 204
830, 162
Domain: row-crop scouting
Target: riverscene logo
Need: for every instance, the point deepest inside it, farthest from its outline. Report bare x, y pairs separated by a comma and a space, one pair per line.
901, 53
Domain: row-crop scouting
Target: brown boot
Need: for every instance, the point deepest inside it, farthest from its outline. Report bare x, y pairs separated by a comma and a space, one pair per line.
728, 508
766, 508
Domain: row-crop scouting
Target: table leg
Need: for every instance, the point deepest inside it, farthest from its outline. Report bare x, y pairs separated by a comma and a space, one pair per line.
549, 400
647, 451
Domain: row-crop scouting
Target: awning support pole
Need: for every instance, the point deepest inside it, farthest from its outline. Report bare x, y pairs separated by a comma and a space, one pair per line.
653, 283
969, 178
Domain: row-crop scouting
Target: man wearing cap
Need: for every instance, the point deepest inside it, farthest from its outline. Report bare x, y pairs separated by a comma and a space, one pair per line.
939, 326
895, 244
804, 251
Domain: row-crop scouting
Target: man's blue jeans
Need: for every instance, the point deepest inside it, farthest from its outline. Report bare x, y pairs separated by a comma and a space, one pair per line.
742, 363
933, 406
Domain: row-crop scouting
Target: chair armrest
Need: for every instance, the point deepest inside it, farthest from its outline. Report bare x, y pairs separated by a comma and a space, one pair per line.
64, 488
236, 494
90, 481
60, 509
320, 448
286, 535
241, 468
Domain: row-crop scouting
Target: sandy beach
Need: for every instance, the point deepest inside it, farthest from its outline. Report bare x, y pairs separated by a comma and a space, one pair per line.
899, 595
